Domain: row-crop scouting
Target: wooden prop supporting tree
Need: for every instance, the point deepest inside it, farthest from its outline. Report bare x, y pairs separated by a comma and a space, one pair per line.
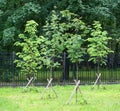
98, 48
97, 81
76, 89
49, 85
30, 58
29, 82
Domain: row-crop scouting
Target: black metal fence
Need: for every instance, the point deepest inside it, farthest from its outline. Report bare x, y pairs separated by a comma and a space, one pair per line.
10, 76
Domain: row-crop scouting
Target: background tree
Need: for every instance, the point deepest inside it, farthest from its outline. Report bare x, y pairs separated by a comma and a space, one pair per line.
14, 14
105, 11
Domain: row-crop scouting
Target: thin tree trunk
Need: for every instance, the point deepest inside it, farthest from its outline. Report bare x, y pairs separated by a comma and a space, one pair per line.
98, 72
74, 70
77, 71
51, 71
98, 68
76, 79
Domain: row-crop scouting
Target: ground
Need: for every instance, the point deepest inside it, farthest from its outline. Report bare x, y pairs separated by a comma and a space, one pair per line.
15, 99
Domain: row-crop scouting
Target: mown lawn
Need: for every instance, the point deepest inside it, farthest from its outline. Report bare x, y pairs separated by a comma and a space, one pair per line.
14, 99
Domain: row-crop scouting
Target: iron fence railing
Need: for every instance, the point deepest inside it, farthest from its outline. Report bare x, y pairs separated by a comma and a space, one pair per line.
11, 76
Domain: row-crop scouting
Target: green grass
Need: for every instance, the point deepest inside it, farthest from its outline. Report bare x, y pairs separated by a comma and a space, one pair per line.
14, 99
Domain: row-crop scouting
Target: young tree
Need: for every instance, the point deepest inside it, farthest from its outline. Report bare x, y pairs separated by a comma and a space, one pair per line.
66, 32
98, 47
50, 56
74, 32
75, 50
54, 50
30, 58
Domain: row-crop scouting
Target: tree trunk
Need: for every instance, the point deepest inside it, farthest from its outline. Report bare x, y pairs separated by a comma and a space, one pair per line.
66, 67
98, 68
51, 72
74, 70
98, 72
77, 71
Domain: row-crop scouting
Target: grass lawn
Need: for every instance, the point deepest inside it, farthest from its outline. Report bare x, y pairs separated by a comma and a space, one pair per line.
14, 99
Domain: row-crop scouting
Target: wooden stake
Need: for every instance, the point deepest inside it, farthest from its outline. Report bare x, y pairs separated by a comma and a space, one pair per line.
97, 80
76, 88
29, 82
48, 85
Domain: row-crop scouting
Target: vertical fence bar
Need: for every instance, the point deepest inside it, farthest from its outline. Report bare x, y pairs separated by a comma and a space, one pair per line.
10, 75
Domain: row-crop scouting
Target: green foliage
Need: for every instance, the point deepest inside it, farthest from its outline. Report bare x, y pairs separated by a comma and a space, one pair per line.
8, 36
98, 44
2, 4
73, 32
29, 10
53, 35
15, 14
51, 55
66, 31
75, 49
7, 76
30, 58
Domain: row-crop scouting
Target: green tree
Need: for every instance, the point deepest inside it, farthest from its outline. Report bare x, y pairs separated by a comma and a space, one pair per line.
66, 32
50, 55
51, 32
75, 50
30, 58
98, 45
74, 32
14, 14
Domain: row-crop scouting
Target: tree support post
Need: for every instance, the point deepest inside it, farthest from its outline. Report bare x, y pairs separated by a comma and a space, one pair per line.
98, 81
76, 88
29, 82
48, 85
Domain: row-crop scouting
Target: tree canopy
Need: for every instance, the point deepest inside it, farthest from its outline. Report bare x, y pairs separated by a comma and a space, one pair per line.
98, 45
30, 57
14, 14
